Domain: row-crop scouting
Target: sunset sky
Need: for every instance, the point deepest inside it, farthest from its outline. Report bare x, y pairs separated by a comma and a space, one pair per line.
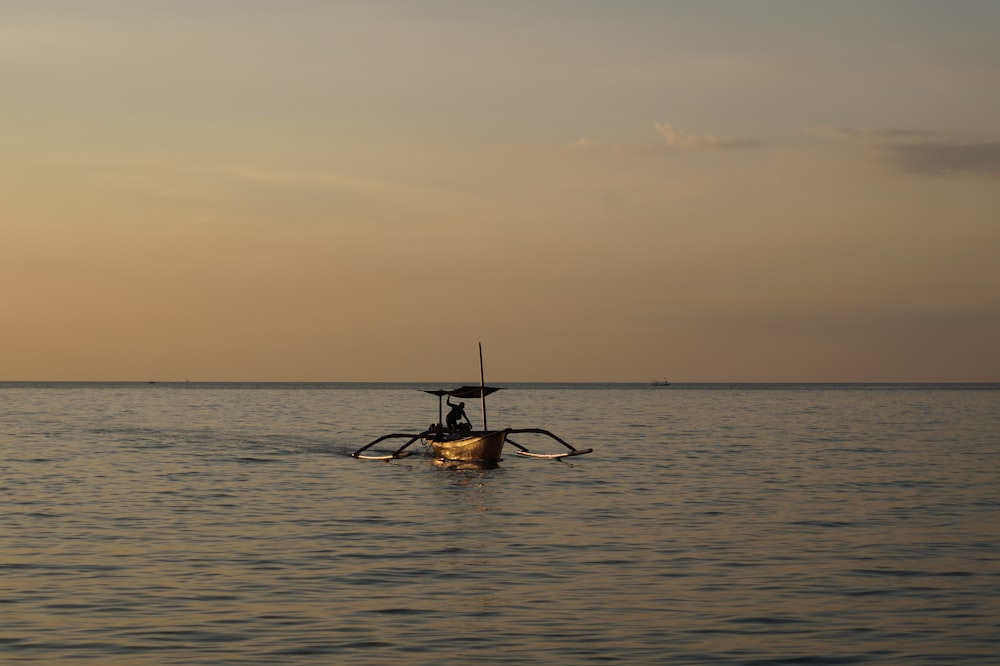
306, 190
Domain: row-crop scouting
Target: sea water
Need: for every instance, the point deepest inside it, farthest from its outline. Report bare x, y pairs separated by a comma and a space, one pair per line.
712, 524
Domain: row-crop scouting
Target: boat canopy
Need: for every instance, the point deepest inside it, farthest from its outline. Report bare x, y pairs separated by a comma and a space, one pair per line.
465, 392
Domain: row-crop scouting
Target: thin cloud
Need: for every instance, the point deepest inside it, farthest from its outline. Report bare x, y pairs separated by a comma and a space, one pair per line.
940, 158
871, 136
921, 151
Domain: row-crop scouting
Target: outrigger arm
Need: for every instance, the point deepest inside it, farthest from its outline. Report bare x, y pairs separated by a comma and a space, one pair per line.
398, 453
401, 452
523, 451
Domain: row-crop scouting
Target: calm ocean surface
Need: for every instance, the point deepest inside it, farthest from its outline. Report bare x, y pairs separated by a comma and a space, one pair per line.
753, 524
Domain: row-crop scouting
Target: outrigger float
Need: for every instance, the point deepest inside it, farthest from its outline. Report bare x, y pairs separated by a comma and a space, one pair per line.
458, 441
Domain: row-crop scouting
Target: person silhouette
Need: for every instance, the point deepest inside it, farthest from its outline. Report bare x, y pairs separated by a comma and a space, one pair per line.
456, 414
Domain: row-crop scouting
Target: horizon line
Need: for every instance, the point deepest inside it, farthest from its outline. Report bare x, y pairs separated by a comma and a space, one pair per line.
473, 383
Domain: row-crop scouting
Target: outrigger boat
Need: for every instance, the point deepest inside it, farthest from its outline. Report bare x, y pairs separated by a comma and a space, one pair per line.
458, 441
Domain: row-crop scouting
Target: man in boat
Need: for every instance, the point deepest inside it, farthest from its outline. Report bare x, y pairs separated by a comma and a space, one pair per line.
456, 414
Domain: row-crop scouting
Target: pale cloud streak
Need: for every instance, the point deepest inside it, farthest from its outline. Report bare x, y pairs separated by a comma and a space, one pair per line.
673, 139
677, 139
588, 145
947, 157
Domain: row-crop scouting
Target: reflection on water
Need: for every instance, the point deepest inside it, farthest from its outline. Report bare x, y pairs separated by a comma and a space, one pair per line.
465, 465
210, 525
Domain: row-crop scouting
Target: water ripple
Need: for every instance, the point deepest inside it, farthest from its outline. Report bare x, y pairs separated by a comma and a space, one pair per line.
176, 525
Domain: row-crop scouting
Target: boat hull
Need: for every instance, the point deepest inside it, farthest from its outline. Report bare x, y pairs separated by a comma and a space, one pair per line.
471, 446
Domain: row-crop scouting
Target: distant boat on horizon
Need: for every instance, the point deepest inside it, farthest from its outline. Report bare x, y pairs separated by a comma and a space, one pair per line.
662, 382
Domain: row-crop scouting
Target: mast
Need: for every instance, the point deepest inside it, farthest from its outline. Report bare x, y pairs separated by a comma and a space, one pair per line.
482, 384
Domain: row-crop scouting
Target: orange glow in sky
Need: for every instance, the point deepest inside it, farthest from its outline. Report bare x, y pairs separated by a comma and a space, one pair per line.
597, 191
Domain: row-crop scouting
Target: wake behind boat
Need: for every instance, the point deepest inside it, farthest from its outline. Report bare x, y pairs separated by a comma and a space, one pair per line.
453, 439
